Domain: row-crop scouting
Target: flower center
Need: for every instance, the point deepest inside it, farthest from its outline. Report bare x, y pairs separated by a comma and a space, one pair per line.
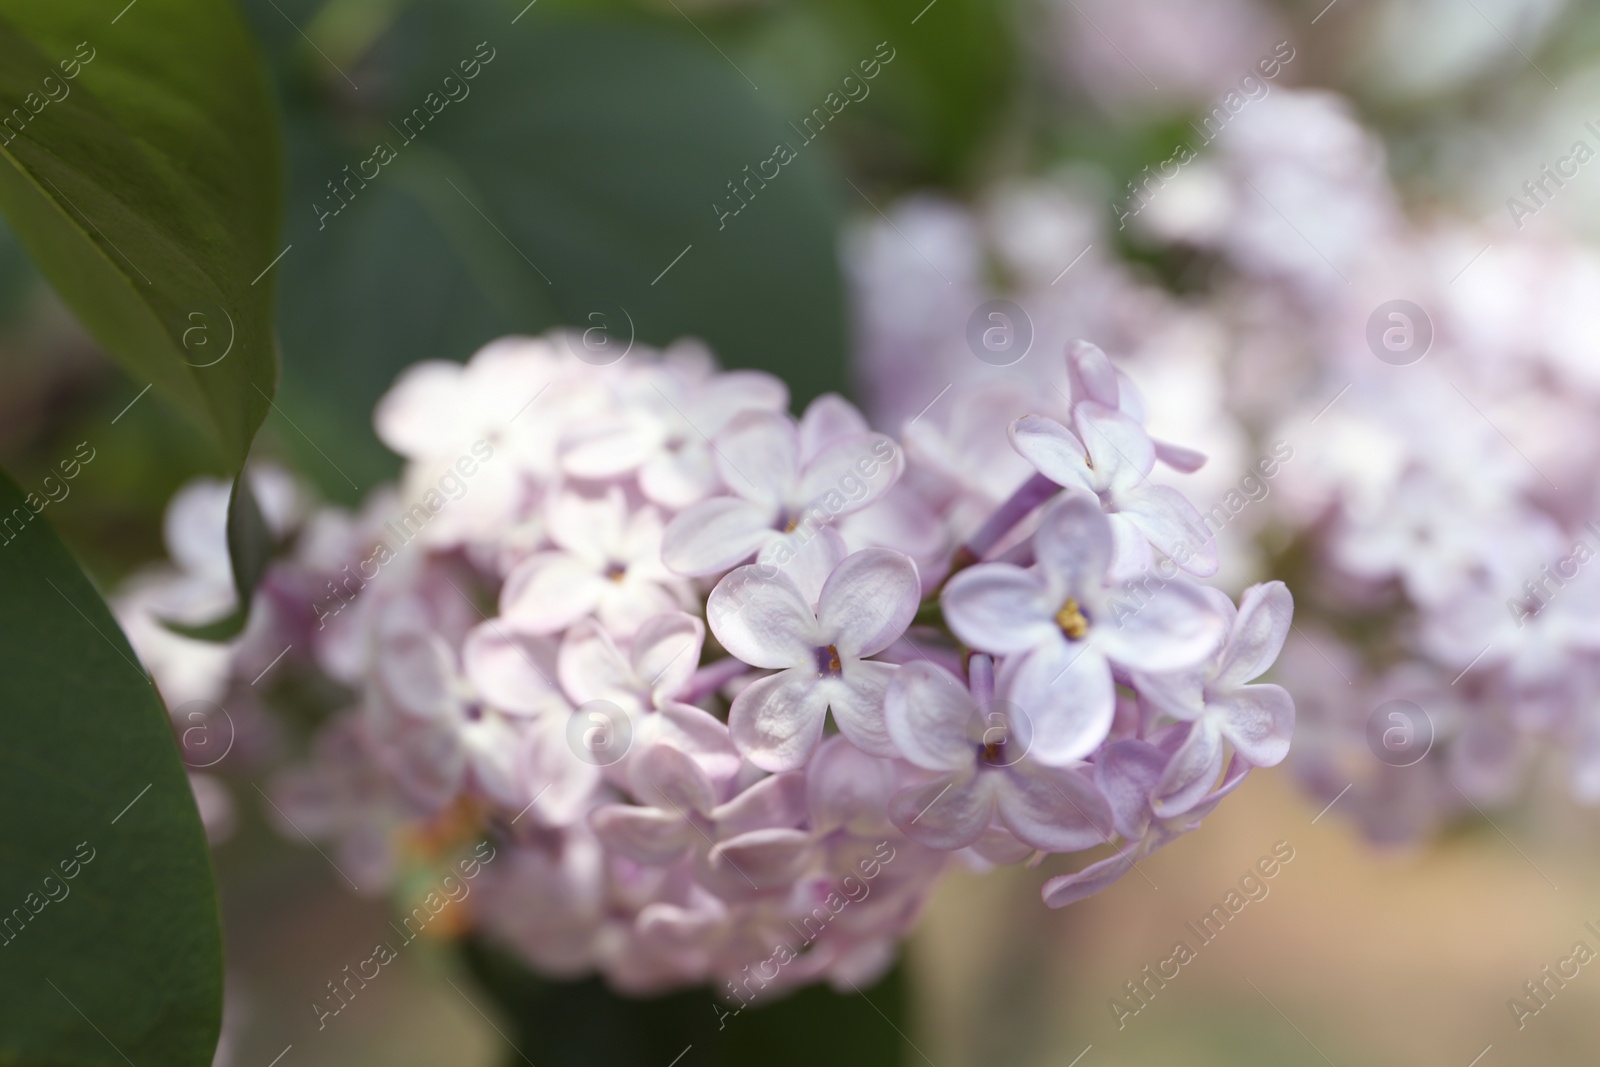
1071, 620
616, 571
828, 665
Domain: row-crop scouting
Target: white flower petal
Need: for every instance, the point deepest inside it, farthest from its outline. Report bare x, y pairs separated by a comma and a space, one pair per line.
1054, 450
857, 702
1266, 612
777, 721
1052, 809
1067, 694
549, 591
761, 617
1258, 721
999, 608
713, 535
948, 813
868, 601
929, 715
645, 835
1192, 772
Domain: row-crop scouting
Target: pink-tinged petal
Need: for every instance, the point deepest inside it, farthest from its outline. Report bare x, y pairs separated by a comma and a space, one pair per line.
848, 789
588, 523
1192, 772
1132, 558
948, 813
930, 718
997, 846
713, 535
1120, 452
703, 736
1258, 721
1167, 520
776, 801
675, 480
667, 777
1179, 458
999, 608
492, 748
1172, 629
758, 455
548, 592
761, 617
1181, 694
666, 651
807, 555
848, 475
762, 859
1054, 451
1071, 888
724, 395
416, 671
645, 835
1091, 374
857, 702
610, 448
1068, 696
1266, 612
1125, 774
590, 667
776, 722
514, 672
828, 419
868, 601
426, 758
420, 415
1073, 546
561, 788
1052, 809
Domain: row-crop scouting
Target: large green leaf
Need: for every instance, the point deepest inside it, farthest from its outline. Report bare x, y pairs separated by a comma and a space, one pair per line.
110, 942
139, 164
582, 161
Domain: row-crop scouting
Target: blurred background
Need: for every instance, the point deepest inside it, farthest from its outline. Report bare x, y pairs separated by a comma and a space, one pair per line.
595, 175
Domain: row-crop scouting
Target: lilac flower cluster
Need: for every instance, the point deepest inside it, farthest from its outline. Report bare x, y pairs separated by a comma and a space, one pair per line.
1433, 380
610, 612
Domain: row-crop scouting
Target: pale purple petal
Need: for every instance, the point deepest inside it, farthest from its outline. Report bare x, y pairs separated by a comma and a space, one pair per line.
1120, 452
868, 601
1052, 809
848, 789
667, 777
1167, 520
1192, 772
758, 454
1091, 374
1073, 546
1258, 721
827, 419
716, 534
646, 835
999, 608
703, 736
777, 721
1066, 691
848, 475
514, 672
591, 667
857, 702
930, 716
1125, 774
1054, 451
548, 592
1173, 628
666, 651
948, 813
1071, 888
761, 617
778, 800
1265, 614
1180, 694
762, 859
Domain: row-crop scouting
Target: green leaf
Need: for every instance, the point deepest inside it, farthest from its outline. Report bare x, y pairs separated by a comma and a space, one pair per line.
139, 164
250, 549
582, 163
575, 1024
110, 941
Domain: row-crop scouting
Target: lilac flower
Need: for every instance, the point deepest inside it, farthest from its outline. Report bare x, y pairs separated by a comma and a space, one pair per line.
820, 652
776, 487
1061, 628
1220, 704
982, 772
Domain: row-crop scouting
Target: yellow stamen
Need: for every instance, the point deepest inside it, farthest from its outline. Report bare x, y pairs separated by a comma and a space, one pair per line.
1071, 620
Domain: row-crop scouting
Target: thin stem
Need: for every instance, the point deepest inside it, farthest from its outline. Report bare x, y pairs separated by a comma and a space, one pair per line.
1033, 492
